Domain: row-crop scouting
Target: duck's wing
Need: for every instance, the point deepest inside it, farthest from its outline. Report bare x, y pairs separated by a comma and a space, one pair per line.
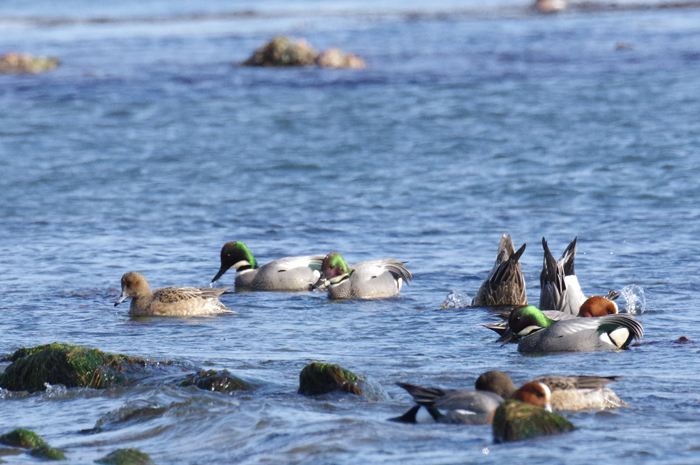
375, 268
290, 263
179, 294
555, 382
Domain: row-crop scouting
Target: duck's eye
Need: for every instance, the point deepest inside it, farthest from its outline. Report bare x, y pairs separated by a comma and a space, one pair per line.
610, 312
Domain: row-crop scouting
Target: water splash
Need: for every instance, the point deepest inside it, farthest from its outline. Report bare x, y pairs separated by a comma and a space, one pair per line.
635, 302
456, 299
55, 390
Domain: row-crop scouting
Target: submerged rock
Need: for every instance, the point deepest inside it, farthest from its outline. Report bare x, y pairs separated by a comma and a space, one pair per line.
66, 364
27, 439
212, 380
47, 453
281, 51
20, 63
321, 378
515, 421
336, 58
126, 457
550, 6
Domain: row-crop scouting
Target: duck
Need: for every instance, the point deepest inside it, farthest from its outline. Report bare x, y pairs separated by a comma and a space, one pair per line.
505, 284
169, 301
594, 306
538, 333
568, 393
468, 407
375, 279
288, 274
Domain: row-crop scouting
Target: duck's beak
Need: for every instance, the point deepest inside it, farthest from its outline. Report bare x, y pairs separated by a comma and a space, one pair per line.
506, 337
121, 299
221, 272
321, 284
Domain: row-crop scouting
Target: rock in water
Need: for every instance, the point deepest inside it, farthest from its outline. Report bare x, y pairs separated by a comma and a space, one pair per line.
126, 457
336, 58
20, 63
321, 378
66, 364
515, 421
214, 381
281, 51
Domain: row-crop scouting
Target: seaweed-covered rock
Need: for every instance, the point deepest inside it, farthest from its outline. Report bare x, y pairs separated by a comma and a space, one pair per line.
47, 453
212, 380
321, 378
22, 438
126, 457
281, 51
20, 63
336, 58
66, 364
515, 421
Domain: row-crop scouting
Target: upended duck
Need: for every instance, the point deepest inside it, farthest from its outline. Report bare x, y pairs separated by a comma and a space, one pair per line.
169, 301
538, 333
560, 288
505, 284
285, 274
375, 279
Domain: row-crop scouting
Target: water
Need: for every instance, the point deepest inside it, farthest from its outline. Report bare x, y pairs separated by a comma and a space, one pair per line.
148, 148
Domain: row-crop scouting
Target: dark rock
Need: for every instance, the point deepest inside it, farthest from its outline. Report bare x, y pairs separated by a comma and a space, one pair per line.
515, 421
321, 378
212, 380
22, 438
126, 457
47, 453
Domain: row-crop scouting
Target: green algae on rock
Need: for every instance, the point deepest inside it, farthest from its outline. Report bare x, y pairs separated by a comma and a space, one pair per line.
515, 421
21, 63
66, 364
212, 380
22, 438
321, 378
126, 457
47, 453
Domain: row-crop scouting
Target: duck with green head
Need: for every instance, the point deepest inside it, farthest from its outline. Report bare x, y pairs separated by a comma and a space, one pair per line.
284, 274
375, 279
538, 333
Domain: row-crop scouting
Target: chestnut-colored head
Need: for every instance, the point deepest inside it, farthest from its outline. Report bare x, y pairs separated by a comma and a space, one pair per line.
535, 393
597, 306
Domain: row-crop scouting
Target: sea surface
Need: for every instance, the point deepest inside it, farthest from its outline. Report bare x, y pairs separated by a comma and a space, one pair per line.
149, 147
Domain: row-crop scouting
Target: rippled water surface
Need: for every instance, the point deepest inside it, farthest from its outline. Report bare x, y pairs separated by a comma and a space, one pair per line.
149, 147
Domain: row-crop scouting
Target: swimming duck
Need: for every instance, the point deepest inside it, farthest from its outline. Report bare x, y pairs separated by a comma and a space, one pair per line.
366, 280
592, 307
169, 301
538, 333
505, 284
568, 393
284, 274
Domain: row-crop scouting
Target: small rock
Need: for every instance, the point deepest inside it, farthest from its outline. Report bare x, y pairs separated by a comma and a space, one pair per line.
22, 438
321, 378
550, 6
212, 380
515, 421
281, 51
683, 340
126, 457
336, 58
20, 63
47, 453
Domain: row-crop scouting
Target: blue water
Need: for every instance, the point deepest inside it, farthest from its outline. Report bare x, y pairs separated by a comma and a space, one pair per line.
148, 148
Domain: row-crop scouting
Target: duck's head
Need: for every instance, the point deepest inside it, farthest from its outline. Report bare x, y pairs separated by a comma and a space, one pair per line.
235, 255
597, 306
496, 381
333, 271
523, 321
535, 393
133, 285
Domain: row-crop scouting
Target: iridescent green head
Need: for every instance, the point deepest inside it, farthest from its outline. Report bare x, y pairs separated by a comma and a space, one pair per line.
235, 255
333, 267
525, 320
